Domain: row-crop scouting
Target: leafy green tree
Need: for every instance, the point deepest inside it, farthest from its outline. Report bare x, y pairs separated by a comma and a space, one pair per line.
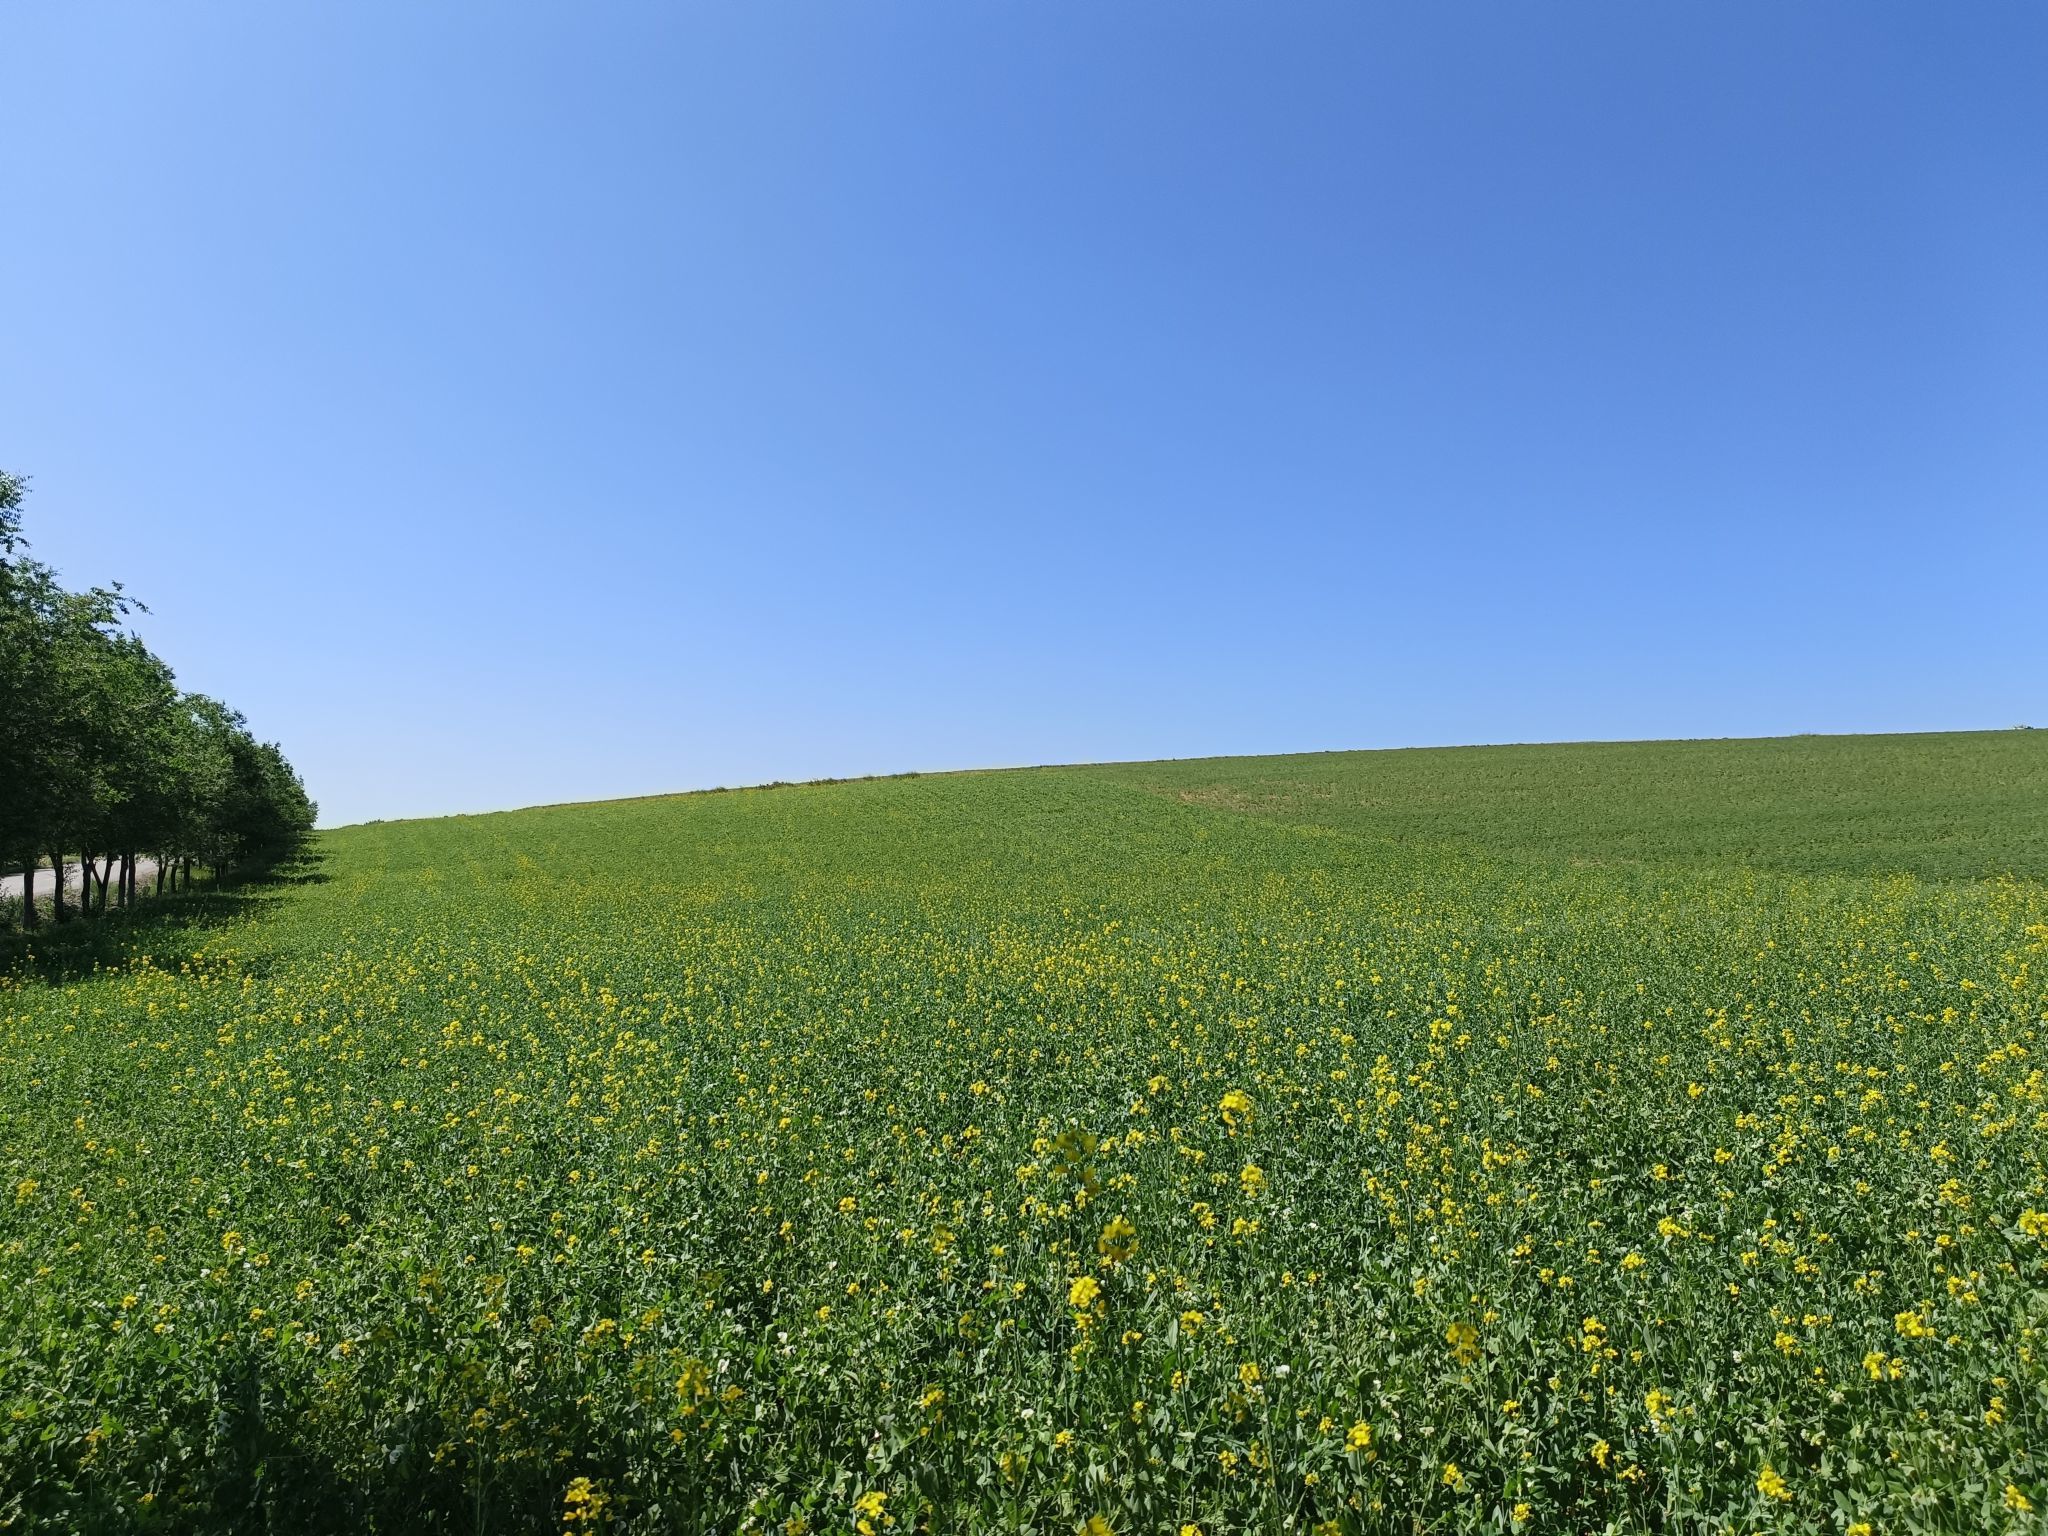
26, 682
101, 755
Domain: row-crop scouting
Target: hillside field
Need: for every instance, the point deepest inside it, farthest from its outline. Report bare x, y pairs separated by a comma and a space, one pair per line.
1549, 1139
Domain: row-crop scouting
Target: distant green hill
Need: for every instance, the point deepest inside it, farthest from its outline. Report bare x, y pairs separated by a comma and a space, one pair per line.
1954, 805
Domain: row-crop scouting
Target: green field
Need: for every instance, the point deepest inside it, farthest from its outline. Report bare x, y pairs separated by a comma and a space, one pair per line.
1637, 1137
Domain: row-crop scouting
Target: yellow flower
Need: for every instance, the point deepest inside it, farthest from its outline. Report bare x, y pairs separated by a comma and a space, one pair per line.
1237, 1109
1913, 1325
1772, 1486
870, 1504
1858, 1528
1253, 1179
2016, 1501
583, 1503
1521, 1512
1358, 1437
1464, 1341
1453, 1478
1248, 1373
1082, 1294
1098, 1525
1119, 1240
2034, 1223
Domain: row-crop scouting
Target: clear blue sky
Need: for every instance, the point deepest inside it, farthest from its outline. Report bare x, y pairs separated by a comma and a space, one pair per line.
514, 403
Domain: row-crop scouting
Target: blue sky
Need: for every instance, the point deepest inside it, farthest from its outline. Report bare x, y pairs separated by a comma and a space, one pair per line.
506, 404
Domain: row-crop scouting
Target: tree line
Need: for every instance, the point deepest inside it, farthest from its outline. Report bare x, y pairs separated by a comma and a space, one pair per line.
104, 760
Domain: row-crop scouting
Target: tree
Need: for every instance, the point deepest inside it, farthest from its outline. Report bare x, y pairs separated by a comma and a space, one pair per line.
24, 681
102, 755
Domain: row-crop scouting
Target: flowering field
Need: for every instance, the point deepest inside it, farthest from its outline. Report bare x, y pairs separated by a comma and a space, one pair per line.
1138, 1150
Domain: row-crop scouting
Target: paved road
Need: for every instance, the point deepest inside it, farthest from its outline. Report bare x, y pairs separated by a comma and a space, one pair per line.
10, 885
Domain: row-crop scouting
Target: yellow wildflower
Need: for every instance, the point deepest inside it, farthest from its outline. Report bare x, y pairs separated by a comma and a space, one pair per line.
1237, 1109
1464, 1341
1119, 1240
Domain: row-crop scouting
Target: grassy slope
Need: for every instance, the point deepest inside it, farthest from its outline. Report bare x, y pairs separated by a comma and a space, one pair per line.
1960, 805
801, 981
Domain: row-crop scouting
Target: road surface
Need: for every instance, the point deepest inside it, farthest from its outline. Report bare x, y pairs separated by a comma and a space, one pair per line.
10, 885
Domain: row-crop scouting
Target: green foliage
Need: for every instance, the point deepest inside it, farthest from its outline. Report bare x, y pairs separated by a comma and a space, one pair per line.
1962, 805
1013, 1151
98, 748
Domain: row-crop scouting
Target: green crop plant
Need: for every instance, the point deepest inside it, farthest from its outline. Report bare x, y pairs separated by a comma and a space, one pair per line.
1579, 1139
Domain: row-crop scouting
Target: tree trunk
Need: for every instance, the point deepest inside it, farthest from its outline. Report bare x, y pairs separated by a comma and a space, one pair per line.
161, 859
28, 894
128, 879
57, 895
